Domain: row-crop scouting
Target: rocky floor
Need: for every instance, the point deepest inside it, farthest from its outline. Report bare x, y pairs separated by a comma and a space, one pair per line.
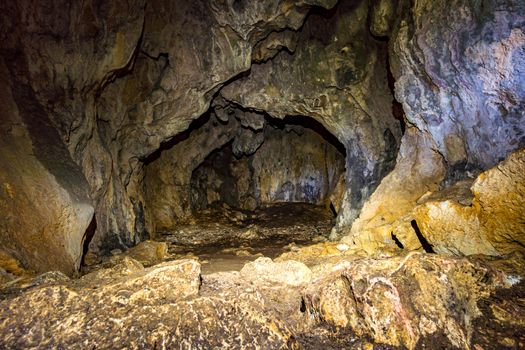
269, 289
224, 238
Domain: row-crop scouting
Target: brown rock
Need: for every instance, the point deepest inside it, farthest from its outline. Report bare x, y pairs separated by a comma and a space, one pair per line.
148, 252
405, 300
285, 272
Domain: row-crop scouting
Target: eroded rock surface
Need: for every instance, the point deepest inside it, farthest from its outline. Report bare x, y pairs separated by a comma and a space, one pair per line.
44, 197
484, 216
337, 75
409, 301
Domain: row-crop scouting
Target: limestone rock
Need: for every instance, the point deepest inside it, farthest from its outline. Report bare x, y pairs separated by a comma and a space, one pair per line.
288, 272
157, 306
468, 94
148, 252
418, 170
407, 301
484, 216
493, 223
341, 82
44, 197
216, 163
382, 16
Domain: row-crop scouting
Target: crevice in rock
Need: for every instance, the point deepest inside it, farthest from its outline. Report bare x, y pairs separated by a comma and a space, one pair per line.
427, 247
180, 137
396, 240
302, 308
88, 236
397, 107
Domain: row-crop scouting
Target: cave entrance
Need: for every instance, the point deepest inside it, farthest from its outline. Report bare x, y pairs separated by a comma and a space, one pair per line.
242, 184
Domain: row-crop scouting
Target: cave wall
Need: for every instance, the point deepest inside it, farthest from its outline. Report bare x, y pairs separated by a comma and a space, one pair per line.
168, 178
296, 165
118, 79
293, 164
459, 75
44, 197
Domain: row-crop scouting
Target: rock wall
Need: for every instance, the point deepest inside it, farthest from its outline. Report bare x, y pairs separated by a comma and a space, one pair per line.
115, 82
336, 74
293, 164
237, 157
296, 165
44, 197
461, 86
118, 79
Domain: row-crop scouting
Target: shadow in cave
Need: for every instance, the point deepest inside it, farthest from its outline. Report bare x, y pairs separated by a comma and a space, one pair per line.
309, 123
88, 236
267, 190
184, 135
427, 247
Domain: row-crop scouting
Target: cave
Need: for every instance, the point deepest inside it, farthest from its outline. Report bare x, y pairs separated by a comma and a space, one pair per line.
277, 174
242, 179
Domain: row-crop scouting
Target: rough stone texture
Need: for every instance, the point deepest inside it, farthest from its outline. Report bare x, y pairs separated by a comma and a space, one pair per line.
458, 75
296, 165
148, 252
173, 81
490, 220
485, 216
382, 16
287, 272
224, 160
168, 178
418, 170
457, 69
411, 301
117, 80
44, 201
337, 75
154, 308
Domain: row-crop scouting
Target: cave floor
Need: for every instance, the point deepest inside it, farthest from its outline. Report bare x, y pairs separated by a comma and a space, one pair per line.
224, 239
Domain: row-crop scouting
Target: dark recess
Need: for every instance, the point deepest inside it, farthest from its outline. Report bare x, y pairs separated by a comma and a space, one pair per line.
396, 241
309, 123
88, 236
303, 305
424, 243
194, 125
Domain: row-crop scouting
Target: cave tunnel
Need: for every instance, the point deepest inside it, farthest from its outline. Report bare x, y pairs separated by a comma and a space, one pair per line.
262, 174
237, 177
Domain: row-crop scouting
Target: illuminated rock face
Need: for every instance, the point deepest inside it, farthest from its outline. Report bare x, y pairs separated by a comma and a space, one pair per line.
44, 198
410, 301
461, 86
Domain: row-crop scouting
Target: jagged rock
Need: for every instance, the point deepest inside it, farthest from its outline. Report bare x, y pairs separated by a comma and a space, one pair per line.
468, 95
339, 81
154, 307
412, 301
409, 301
484, 216
418, 170
382, 16
291, 163
491, 221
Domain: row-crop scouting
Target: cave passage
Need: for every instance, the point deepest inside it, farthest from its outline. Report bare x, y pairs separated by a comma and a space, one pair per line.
242, 184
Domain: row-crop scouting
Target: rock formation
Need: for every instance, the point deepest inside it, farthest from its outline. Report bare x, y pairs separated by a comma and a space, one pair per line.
126, 122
